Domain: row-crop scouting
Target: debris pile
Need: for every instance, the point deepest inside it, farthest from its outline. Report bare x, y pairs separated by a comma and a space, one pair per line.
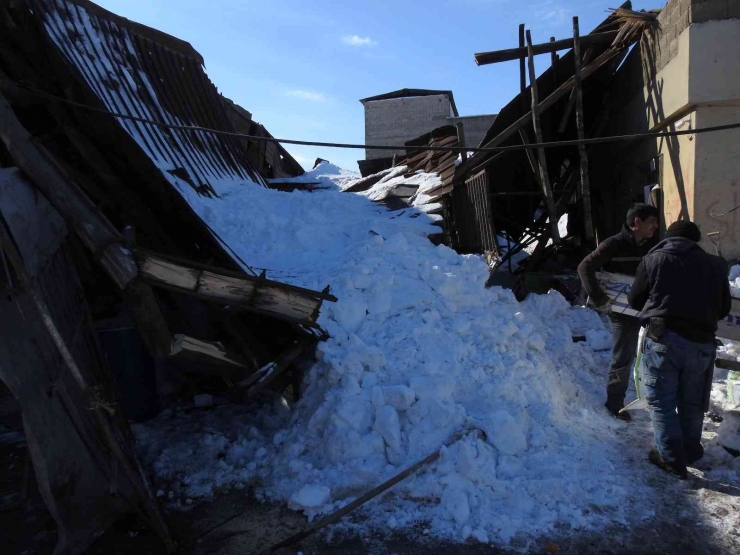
419, 349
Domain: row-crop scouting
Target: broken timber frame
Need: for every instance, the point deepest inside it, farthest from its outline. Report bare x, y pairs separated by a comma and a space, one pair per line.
544, 177
544, 105
585, 187
485, 58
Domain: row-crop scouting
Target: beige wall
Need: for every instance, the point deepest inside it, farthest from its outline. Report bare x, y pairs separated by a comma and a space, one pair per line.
698, 87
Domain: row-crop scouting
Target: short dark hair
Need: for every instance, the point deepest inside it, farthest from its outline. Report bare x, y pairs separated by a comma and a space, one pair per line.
642, 211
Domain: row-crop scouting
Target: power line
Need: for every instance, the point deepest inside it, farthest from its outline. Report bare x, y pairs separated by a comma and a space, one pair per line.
552, 144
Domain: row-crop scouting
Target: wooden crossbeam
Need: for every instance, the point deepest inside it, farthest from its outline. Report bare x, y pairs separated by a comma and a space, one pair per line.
485, 58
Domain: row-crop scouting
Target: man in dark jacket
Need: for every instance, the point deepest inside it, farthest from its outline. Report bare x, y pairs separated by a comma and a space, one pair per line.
682, 292
621, 254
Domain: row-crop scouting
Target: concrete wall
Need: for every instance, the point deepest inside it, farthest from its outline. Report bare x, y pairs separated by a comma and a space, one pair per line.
688, 77
475, 127
398, 120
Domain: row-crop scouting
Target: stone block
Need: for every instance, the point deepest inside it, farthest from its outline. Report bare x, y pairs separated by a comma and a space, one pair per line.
708, 11
733, 8
672, 49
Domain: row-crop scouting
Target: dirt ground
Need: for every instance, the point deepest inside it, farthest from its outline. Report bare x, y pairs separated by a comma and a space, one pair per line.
696, 516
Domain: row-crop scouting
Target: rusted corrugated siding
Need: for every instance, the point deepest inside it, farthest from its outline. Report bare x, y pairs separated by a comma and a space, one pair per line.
137, 71
471, 212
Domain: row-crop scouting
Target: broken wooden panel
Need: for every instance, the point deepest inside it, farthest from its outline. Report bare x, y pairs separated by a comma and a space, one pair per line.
66, 197
239, 291
78, 437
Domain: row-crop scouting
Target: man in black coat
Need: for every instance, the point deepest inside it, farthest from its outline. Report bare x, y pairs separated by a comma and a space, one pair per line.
682, 292
621, 254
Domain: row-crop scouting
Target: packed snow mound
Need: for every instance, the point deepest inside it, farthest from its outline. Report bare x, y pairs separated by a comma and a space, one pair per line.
735, 281
419, 350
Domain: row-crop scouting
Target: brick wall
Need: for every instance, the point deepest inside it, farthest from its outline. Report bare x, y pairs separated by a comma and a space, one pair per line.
398, 120
475, 127
679, 14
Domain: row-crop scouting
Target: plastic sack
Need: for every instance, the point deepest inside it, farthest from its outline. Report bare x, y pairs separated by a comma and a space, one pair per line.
641, 401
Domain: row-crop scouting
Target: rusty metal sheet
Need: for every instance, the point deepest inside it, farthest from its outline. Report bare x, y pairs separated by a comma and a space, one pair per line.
141, 72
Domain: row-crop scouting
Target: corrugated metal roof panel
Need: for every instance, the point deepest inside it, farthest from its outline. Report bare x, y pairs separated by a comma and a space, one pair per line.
138, 71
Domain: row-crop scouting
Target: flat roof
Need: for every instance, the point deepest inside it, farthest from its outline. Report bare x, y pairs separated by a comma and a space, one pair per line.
406, 93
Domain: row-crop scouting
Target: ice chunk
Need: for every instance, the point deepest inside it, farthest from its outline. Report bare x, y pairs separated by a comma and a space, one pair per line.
309, 497
508, 435
599, 340
455, 503
388, 426
399, 397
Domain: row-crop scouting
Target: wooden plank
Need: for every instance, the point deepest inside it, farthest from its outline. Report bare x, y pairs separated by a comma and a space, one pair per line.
73, 205
585, 187
160, 270
544, 177
507, 55
461, 139
209, 353
240, 291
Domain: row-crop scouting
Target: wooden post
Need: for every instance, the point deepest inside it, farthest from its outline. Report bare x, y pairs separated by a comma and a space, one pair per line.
554, 63
585, 187
461, 140
544, 177
525, 108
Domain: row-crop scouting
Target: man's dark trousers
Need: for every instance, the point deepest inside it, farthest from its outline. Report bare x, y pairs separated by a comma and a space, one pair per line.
674, 372
625, 330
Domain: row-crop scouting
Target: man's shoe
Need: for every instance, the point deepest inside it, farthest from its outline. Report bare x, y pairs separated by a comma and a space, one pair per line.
614, 411
655, 458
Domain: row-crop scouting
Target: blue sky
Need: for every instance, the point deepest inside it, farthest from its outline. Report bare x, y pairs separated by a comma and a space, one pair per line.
300, 67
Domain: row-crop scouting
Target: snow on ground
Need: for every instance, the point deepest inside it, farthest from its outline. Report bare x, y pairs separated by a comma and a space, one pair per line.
419, 350
735, 281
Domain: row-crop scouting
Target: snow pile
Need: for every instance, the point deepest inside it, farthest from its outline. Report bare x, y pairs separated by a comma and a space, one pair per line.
724, 434
735, 281
419, 350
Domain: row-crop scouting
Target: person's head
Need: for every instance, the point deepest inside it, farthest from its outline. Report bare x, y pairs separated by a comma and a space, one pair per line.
642, 219
685, 229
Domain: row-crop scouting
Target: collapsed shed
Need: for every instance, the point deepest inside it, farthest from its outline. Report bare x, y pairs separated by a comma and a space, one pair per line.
519, 195
101, 125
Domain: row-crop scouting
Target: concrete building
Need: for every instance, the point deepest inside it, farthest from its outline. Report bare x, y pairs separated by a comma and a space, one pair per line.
396, 117
688, 77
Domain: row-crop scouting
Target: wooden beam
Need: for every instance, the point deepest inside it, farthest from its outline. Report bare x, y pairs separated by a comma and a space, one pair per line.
150, 322
572, 97
530, 155
485, 58
585, 187
268, 375
250, 293
65, 196
544, 177
478, 163
554, 64
209, 353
